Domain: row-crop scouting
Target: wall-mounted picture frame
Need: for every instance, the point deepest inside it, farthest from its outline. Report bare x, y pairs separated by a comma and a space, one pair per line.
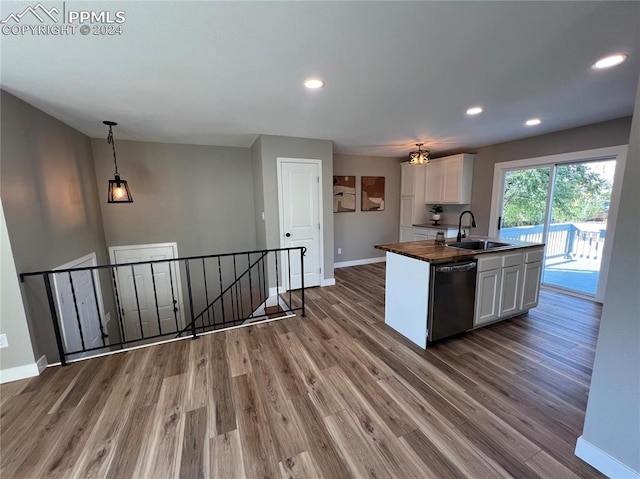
344, 194
372, 193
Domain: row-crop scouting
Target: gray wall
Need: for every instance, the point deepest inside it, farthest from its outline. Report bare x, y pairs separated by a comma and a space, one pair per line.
200, 197
612, 422
599, 135
50, 203
273, 147
356, 233
13, 321
258, 193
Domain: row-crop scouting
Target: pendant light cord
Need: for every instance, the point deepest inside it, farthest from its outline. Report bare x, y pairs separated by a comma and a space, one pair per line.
112, 142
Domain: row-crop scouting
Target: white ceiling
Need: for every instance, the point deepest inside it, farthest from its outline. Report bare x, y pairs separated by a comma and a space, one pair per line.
220, 73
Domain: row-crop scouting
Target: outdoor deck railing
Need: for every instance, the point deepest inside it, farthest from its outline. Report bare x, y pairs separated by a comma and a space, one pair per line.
565, 240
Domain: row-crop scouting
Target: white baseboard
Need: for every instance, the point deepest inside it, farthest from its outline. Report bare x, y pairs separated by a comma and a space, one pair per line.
328, 282
358, 262
603, 462
19, 372
42, 364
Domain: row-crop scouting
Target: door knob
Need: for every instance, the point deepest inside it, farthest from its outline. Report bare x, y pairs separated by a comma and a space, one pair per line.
288, 235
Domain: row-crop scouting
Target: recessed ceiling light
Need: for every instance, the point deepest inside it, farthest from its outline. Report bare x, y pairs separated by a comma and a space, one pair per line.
474, 110
313, 83
532, 122
610, 61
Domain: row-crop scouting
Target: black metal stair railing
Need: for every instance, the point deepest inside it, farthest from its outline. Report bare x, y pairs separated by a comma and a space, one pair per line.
228, 289
210, 310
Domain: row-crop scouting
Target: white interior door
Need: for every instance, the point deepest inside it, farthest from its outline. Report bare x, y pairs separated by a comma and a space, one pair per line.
299, 194
136, 290
81, 327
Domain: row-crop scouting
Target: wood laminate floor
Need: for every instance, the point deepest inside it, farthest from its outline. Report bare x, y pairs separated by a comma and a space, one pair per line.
335, 395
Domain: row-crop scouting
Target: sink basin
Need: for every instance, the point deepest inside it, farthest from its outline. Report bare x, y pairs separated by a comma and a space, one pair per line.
478, 244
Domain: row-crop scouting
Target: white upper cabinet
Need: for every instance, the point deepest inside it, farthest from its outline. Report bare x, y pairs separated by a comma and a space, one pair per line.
433, 182
408, 176
448, 180
412, 207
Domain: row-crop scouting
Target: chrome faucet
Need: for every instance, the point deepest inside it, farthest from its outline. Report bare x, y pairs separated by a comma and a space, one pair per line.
473, 223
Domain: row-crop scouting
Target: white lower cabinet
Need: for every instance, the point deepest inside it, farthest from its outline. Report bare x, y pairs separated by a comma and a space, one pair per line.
423, 237
507, 284
531, 285
422, 233
406, 234
487, 296
510, 287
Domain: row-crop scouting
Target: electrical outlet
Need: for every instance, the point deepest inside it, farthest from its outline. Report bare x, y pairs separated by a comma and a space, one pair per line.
4, 343
339, 250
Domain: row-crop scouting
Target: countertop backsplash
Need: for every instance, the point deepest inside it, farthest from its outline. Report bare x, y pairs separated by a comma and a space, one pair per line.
450, 215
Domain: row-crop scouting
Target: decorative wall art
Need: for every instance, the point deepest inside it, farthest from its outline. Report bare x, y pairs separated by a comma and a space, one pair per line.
373, 193
344, 194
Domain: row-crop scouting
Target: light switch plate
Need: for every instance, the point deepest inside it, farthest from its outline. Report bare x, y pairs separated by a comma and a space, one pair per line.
4, 343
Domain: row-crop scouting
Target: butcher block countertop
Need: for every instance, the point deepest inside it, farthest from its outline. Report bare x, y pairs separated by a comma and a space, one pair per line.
430, 252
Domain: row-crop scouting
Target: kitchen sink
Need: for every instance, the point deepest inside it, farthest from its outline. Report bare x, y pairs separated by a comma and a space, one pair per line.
478, 244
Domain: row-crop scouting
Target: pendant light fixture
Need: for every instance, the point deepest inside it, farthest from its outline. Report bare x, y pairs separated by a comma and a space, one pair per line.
420, 157
118, 188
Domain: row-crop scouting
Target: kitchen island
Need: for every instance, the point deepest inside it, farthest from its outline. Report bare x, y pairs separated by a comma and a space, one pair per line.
507, 283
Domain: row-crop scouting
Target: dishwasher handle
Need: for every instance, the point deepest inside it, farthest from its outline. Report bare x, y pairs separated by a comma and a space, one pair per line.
456, 268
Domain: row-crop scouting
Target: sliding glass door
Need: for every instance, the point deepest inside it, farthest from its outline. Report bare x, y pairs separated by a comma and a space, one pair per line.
581, 199
524, 204
565, 206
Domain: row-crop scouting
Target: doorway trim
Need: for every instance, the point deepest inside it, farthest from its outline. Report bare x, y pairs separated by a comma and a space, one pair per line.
618, 153
174, 248
279, 161
104, 320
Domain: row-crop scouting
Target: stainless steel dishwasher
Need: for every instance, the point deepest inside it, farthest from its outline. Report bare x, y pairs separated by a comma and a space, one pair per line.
451, 299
